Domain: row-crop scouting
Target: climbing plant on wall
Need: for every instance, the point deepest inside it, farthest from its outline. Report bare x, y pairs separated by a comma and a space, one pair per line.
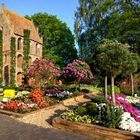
13, 60
26, 48
1, 56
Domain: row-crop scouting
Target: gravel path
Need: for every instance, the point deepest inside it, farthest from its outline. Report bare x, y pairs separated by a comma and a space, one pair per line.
44, 117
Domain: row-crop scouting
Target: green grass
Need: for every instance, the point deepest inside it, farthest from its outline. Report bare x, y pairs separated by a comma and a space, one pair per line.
90, 88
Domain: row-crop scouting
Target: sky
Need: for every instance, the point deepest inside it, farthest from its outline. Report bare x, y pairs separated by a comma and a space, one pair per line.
63, 9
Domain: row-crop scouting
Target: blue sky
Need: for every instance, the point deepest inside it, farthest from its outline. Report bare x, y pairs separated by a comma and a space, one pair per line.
63, 9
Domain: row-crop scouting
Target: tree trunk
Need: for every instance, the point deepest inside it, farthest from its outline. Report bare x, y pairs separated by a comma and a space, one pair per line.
132, 85
113, 93
106, 88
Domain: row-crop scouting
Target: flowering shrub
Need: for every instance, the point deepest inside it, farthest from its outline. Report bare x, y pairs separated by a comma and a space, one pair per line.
42, 70
78, 70
11, 105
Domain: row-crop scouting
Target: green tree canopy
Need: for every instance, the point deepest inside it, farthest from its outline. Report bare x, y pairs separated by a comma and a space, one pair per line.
112, 19
57, 38
112, 59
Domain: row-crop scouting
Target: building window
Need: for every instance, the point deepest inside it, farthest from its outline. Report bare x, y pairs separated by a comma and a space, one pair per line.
6, 75
19, 61
36, 49
19, 45
19, 78
5, 58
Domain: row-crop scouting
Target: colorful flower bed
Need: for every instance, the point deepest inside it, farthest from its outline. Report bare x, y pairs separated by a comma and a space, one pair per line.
55, 92
27, 102
122, 116
122, 101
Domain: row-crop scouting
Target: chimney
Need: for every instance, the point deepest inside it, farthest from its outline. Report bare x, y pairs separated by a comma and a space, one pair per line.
2, 7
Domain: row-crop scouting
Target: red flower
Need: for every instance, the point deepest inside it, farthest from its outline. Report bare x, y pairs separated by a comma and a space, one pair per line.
11, 105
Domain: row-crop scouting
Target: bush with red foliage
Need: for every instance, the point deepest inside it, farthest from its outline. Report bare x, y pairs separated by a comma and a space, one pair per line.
11, 105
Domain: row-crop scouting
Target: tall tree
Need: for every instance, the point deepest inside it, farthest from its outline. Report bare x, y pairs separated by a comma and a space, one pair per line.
57, 38
113, 19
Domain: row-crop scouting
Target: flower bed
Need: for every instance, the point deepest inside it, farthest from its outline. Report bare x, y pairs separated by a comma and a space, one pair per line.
60, 93
94, 131
25, 102
122, 116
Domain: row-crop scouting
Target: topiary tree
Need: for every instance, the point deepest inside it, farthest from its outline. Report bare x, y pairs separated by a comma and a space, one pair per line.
42, 71
101, 56
78, 70
112, 59
131, 67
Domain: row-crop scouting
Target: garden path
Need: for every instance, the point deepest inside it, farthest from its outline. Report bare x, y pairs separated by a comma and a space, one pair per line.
44, 117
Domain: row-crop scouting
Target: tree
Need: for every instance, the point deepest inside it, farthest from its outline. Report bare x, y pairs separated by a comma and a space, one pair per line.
131, 67
112, 19
112, 59
42, 71
100, 60
78, 70
58, 40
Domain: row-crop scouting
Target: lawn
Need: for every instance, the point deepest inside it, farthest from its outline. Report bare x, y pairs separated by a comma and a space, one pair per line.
91, 88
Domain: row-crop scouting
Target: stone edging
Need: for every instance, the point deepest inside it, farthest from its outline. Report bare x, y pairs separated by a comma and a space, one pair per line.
95, 131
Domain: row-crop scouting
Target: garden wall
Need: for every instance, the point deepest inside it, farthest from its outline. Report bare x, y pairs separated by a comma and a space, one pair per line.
95, 131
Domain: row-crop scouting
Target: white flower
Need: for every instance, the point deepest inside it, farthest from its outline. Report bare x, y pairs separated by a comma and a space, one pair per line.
129, 123
133, 100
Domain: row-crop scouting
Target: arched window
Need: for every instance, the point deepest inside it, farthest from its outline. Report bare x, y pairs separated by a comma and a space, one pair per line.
36, 49
19, 44
19, 61
6, 75
19, 78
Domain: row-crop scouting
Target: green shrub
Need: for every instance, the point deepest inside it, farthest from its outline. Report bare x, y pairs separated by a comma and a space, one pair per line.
81, 110
75, 93
70, 115
126, 90
85, 90
99, 99
92, 109
116, 89
110, 116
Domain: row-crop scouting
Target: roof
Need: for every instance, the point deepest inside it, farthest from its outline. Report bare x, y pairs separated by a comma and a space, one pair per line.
20, 23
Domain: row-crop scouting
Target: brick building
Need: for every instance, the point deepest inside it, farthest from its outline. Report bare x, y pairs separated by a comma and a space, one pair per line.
13, 25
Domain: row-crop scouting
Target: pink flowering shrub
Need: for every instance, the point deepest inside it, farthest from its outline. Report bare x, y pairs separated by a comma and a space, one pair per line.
78, 70
127, 107
42, 70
